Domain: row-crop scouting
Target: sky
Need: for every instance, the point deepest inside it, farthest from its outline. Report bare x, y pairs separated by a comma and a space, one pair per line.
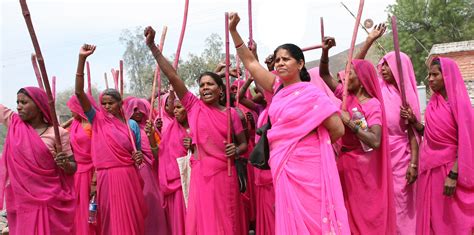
62, 26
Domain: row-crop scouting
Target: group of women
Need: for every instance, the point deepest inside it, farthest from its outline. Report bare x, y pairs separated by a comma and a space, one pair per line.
331, 171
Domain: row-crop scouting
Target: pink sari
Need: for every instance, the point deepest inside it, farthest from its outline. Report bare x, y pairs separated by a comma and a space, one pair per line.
171, 148
448, 133
366, 176
120, 200
214, 204
400, 150
40, 197
308, 194
81, 147
156, 220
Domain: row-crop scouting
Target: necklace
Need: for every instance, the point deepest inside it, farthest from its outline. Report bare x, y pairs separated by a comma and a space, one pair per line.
44, 131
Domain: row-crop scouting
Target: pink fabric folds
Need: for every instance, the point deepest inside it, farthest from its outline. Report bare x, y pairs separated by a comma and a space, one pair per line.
171, 148
214, 204
366, 177
400, 150
120, 200
308, 194
40, 197
319, 83
448, 133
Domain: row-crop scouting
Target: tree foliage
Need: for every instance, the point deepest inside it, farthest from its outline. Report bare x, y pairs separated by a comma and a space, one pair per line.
423, 23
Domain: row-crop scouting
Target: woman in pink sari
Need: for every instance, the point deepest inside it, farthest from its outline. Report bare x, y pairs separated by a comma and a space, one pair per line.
156, 221
365, 174
37, 181
175, 144
81, 132
120, 202
308, 194
214, 204
445, 196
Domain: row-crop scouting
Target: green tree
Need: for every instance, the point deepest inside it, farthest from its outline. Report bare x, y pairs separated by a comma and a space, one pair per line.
3, 134
423, 23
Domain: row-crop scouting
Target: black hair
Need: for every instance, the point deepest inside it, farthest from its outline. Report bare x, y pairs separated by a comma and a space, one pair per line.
436, 61
113, 93
298, 55
24, 92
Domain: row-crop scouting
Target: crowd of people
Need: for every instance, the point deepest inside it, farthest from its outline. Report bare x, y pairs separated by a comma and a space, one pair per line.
370, 165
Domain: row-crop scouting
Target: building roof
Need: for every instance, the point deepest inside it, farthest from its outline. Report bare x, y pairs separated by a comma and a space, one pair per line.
444, 48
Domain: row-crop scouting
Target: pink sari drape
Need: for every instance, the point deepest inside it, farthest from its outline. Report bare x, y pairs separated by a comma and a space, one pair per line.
447, 135
400, 150
81, 147
156, 220
120, 200
366, 176
308, 194
171, 148
40, 197
214, 205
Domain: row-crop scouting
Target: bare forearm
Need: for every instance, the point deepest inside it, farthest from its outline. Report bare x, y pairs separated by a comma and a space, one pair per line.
368, 137
365, 48
324, 71
244, 88
79, 90
413, 146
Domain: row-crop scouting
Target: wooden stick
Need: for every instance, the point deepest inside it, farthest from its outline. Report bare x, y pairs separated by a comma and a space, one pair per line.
89, 87
54, 88
157, 79
37, 72
181, 36
250, 23
312, 47
237, 64
351, 51
121, 77
396, 46
44, 75
322, 28
115, 77
106, 82
227, 90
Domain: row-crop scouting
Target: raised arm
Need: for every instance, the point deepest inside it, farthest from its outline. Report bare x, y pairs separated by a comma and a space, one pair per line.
85, 51
324, 73
261, 75
165, 66
376, 33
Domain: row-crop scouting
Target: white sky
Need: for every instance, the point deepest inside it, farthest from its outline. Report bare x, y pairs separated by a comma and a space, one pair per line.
62, 26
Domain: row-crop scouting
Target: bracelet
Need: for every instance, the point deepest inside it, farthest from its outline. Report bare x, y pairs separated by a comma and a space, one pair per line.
80, 74
154, 148
356, 129
452, 175
413, 165
239, 46
324, 61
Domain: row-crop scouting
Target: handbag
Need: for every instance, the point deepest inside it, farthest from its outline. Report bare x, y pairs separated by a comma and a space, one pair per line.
261, 152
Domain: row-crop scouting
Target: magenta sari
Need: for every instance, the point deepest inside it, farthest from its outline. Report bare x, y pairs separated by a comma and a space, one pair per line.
448, 133
366, 176
171, 148
400, 150
214, 203
81, 147
308, 194
120, 200
40, 197
156, 220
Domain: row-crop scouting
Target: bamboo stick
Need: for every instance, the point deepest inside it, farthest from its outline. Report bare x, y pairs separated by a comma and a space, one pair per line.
37, 72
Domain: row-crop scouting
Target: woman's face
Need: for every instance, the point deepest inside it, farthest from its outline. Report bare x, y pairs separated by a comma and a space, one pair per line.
387, 73
179, 112
111, 105
435, 78
27, 109
137, 115
287, 66
353, 84
209, 90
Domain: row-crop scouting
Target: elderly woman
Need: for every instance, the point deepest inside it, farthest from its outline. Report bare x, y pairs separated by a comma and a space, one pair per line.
36, 179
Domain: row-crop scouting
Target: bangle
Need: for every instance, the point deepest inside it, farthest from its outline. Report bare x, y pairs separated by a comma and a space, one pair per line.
453, 175
154, 148
80, 74
413, 165
356, 129
324, 61
239, 46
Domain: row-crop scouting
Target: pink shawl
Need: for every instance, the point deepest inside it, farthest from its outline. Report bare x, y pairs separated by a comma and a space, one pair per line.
436, 152
34, 179
319, 83
297, 111
142, 106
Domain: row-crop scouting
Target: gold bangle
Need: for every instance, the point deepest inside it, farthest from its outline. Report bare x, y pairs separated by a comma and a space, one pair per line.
240, 45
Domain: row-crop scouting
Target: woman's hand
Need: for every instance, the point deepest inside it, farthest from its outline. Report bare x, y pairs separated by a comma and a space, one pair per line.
328, 43
138, 157
66, 163
377, 32
149, 36
411, 175
188, 143
149, 130
86, 50
407, 113
449, 186
345, 117
230, 150
234, 20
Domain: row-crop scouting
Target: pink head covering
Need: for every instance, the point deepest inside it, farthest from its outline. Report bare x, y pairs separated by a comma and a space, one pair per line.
408, 75
41, 100
75, 106
137, 103
462, 111
318, 82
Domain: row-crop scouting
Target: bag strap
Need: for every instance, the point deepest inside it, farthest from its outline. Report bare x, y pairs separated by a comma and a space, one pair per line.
278, 89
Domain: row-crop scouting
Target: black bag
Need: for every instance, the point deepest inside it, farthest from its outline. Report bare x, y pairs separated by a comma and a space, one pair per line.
261, 152
240, 167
